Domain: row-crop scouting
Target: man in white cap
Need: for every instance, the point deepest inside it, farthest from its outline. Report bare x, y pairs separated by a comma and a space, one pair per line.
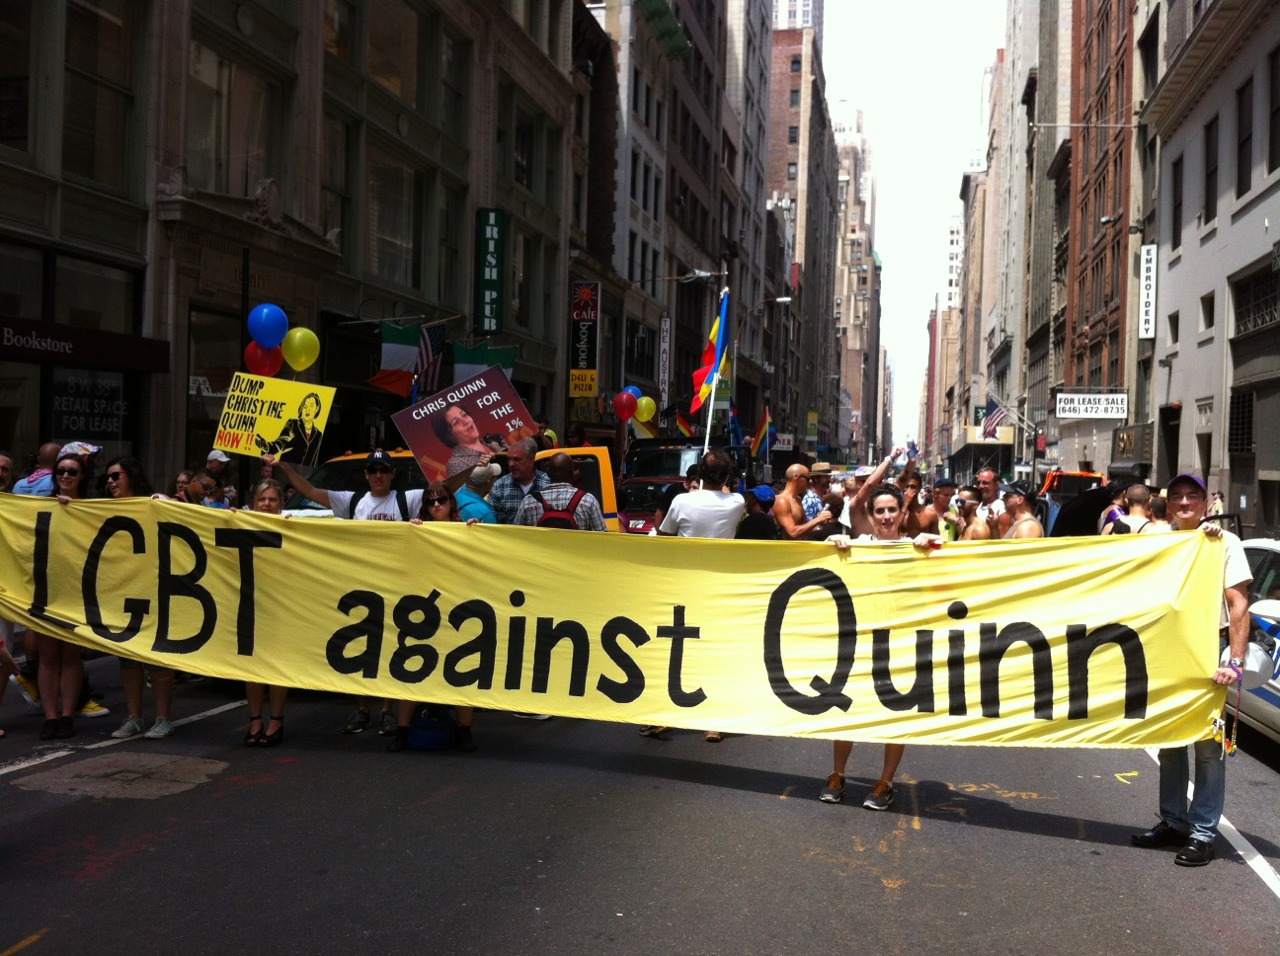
217, 466
471, 496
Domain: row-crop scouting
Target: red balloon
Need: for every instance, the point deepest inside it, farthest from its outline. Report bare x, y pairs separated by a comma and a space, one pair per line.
262, 361
624, 405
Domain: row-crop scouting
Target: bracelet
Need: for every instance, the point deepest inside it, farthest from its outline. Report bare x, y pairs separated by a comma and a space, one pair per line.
1239, 673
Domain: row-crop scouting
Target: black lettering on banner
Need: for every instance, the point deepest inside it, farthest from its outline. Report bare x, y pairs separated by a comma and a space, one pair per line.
245, 541
40, 573
623, 691
1080, 647
830, 693
170, 586
957, 696
484, 646
547, 636
991, 651
135, 607
418, 619
679, 632
920, 696
369, 630
515, 646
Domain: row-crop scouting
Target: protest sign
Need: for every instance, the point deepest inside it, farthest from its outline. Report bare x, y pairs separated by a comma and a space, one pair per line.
1063, 642
284, 418
452, 430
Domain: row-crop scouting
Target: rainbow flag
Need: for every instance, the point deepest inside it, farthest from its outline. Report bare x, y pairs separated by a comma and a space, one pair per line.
761, 440
713, 356
682, 423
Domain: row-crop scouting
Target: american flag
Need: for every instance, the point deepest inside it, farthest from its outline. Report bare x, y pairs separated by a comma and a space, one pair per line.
995, 414
426, 370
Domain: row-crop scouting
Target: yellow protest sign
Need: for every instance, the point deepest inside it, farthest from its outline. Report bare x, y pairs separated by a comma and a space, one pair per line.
273, 415
1104, 642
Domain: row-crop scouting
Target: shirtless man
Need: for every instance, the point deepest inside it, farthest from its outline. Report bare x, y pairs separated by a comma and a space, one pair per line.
1019, 500
913, 509
856, 516
936, 517
969, 526
788, 507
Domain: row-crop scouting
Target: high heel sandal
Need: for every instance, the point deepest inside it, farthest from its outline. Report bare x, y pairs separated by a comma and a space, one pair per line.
254, 738
270, 740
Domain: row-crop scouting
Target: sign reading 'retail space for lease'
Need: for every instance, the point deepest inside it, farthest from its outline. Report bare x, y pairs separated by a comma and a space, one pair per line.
1061, 642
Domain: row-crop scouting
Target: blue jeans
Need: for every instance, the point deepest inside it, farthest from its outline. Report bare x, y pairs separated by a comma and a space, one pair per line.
1201, 817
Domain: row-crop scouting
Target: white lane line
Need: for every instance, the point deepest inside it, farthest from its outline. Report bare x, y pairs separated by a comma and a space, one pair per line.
1247, 851
110, 742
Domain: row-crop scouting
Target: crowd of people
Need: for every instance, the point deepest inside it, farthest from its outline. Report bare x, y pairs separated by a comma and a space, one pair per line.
871, 506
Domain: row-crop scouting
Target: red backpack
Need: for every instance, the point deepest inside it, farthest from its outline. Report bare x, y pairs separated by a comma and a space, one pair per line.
553, 518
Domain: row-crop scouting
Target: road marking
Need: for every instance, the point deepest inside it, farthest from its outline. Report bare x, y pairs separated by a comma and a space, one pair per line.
1237, 840
1124, 777
109, 742
23, 944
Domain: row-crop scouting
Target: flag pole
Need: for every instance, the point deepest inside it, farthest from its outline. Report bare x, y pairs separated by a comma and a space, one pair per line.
715, 373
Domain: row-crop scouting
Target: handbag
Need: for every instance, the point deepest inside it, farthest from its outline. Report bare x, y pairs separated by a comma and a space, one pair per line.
433, 728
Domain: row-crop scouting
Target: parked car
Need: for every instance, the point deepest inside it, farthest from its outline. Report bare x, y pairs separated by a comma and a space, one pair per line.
638, 501
1260, 707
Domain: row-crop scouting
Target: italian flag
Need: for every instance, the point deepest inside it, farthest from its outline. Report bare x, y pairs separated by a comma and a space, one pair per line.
399, 358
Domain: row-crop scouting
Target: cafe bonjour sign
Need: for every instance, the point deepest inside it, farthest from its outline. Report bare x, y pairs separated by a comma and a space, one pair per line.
584, 339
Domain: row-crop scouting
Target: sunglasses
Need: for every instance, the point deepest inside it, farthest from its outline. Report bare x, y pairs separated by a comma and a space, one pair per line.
114, 475
68, 472
378, 470
439, 501
208, 485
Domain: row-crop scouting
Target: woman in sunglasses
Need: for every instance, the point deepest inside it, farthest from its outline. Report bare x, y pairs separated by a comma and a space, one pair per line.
266, 497
126, 479
61, 671
438, 504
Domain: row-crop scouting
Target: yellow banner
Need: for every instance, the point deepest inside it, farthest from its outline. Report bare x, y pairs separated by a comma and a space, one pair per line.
1080, 642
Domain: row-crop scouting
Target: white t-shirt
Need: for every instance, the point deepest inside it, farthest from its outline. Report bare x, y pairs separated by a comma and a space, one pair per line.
993, 510
704, 514
1236, 570
370, 508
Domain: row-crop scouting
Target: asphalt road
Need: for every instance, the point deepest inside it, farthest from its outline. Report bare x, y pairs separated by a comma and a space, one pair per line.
566, 836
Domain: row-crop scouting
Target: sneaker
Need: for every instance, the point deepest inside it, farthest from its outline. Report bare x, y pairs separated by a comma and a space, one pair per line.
833, 792
527, 715
880, 797
387, 724
92, 709
162, 728
358, 723
27, 688
130, 728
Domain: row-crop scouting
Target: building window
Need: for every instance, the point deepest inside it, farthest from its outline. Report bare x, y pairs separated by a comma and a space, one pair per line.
1210, 171
1244, 138
1175, 190
795, 64
450, 214
1173, 329
795, 98
98, 99
15, 88
792, 171
793, 134
93, 296
454, 55
1273, 127
1207, 317
229, 107
522, 155
1240, 424
391, 219
393, 48
339, 28
1256, 301
336, 187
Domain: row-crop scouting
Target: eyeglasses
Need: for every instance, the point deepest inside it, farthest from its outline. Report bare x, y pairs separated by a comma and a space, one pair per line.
439, 501
68, 472
378, 470
114, 475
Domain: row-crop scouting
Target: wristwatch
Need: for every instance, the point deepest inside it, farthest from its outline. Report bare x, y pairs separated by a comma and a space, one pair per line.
1235, 662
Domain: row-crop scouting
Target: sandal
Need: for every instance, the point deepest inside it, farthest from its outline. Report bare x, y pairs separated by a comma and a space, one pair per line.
276, 736
653, 730
714, 736
254, 737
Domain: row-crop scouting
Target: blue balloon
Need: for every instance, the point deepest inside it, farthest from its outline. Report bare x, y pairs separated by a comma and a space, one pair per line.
634, 390
268, 325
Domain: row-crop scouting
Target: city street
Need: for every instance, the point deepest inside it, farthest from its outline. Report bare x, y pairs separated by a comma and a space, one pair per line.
565, 836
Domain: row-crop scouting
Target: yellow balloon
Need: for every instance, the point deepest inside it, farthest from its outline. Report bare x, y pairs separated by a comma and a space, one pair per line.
646, 408
300, 347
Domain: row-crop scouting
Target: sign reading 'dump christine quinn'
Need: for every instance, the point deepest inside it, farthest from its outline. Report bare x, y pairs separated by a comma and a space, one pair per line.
584, 337
1058, 642
1093, 405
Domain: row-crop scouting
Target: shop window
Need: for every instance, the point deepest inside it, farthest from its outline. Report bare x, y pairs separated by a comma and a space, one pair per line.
92, 296
98, 99
393, 48
21, 288
391, 217
229, 110
15, 86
